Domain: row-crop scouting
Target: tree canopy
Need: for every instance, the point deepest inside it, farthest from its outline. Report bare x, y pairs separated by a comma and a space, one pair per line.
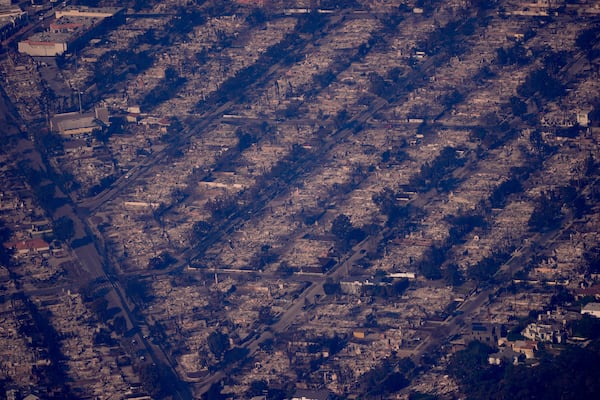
218, 343
346, 234
572, 374
63, 229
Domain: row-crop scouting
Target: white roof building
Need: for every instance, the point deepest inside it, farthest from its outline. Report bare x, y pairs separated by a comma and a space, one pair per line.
74, 123
592, 309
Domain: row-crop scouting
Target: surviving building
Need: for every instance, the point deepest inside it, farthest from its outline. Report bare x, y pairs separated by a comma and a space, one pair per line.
71, 30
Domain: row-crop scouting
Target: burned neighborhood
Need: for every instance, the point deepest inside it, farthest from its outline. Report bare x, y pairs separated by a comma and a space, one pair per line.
305, 199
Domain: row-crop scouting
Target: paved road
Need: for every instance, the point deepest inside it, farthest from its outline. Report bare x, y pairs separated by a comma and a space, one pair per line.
124, 182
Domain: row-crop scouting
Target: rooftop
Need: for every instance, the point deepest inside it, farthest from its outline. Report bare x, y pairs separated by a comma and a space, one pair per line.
68, 122
94, 12
594, 307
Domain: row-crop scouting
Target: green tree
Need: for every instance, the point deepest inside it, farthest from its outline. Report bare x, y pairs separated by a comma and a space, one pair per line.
218, 343
138, 290
153, 380
265, 315
45, 195
452, 275
547, 213
471, 368
245, 139
214, 392
517, 106
539, 81
515, 55
63, 228
331, 287
378, 85
257, 388
387, 202
437, 172
221, 206
370, 321
199, 230
382, 381
451, 99
587, 327
485, 269
346, 234
162, 261
430, 265
120, 325
505, 189
587, 40
99, 307
570, 375
341, 226
53, 143
5, 253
